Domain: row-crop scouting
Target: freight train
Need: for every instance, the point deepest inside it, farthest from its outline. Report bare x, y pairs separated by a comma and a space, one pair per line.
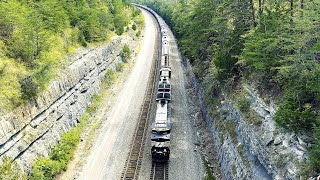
161, 126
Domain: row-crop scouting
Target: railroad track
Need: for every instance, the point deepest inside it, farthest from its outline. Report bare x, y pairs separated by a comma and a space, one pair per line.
159, 171
133, 162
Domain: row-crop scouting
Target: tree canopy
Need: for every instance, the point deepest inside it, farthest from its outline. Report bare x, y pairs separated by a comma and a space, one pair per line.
272, 44
36, 34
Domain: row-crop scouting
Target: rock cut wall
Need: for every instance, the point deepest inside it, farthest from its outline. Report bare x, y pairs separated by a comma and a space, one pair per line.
32, 130
260, 151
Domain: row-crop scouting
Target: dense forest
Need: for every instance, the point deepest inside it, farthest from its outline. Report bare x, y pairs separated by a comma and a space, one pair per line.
274, 45
36, 34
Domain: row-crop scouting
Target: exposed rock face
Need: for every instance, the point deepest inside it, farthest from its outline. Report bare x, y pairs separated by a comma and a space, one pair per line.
33, 129
261, 151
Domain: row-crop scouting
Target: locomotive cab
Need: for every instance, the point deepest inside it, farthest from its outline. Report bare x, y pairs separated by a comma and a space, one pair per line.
160, 150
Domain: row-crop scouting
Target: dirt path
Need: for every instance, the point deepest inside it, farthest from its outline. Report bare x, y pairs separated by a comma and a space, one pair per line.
110, 149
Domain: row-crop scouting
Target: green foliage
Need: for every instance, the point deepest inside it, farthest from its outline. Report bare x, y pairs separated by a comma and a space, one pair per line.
134, 27
230, 127
121, 19
96, 99
120, 66
10, 73
243, 103
125, 53
209, 175
9, 170
138, 18
35, 36
294, 117
45, 169
315, 152
109, 77
233, 169
252, 117
63, 152
138, 33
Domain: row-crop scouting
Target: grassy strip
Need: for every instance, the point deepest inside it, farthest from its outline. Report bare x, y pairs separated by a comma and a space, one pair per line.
209, 175
10, 169
63, 152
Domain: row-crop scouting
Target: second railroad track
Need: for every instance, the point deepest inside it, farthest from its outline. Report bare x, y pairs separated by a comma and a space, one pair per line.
133, 162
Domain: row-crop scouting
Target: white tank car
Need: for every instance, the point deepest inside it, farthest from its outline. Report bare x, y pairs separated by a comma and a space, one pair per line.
165, 54
163, 31
165, 48
164, 38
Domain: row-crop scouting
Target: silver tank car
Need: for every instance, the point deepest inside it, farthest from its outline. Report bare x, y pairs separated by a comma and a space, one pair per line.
165, 54
164, 38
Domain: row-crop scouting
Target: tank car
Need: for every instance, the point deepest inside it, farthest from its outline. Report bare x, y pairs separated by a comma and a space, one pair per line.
165, 54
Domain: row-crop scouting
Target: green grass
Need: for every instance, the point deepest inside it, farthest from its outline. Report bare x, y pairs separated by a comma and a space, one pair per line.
244, 158
243, 103
9, 170
252, 117
230, 127
209, 175
63, 152
233, 169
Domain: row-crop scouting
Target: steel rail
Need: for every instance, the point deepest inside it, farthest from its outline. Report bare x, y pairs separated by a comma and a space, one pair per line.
133, 162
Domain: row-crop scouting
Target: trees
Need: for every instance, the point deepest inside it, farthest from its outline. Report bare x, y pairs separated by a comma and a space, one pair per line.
272, 44
35, 35
118, 12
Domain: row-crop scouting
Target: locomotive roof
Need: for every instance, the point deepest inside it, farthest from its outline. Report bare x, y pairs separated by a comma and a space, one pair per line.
160, 137
164, 85
166, 96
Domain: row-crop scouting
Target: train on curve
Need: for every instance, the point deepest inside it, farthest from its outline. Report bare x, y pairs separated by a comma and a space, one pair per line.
161, 126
